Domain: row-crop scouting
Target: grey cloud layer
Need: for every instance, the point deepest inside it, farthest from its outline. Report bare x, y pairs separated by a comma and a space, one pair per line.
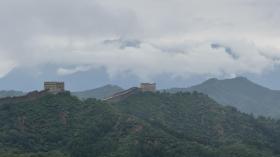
144, 38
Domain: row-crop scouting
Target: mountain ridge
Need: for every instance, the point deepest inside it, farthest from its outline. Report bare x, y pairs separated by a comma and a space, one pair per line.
241, 93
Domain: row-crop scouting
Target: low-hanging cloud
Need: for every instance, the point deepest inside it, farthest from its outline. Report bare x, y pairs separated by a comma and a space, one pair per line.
143, 38
70, 71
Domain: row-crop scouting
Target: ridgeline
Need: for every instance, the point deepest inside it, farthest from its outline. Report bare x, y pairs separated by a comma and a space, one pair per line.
241, 93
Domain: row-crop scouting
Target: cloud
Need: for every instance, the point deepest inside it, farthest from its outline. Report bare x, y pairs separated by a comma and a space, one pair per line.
149, 60
181, 38
65, 71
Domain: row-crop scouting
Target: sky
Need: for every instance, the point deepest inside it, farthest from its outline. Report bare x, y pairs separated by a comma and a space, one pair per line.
175, 43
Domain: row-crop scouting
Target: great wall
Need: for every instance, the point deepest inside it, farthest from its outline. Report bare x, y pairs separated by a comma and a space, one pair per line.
58, 87
28, 97
144, 87
49, 88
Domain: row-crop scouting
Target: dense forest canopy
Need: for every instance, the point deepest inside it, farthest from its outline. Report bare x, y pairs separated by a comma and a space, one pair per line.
142, 125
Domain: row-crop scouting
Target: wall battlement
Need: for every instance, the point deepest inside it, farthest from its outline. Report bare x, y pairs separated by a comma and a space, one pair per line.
148, 87
54, 87
28, 97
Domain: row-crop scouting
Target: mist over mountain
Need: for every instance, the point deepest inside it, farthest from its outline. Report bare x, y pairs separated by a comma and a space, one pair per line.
241, 93
10, 93
55, 53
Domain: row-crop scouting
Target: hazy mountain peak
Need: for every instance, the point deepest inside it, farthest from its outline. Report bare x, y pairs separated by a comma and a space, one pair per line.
241, 93
211, 80
10, 93
239, 78
99, 93
233, 83
110, 86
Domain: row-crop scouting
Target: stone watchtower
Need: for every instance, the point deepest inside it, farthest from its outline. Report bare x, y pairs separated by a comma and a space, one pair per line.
148, 87
54, 87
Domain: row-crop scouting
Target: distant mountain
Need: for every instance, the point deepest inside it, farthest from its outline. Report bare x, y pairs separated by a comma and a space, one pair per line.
98, 93
241, 93
140, 125
10, 93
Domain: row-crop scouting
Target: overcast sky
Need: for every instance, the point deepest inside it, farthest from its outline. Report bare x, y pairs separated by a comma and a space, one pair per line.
129, 41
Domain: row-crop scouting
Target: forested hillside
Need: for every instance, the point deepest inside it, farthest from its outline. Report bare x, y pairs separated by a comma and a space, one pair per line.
142, 125
241, 93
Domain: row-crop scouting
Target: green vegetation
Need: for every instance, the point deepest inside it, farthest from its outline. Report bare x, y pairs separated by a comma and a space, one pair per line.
241, 93
142, 125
